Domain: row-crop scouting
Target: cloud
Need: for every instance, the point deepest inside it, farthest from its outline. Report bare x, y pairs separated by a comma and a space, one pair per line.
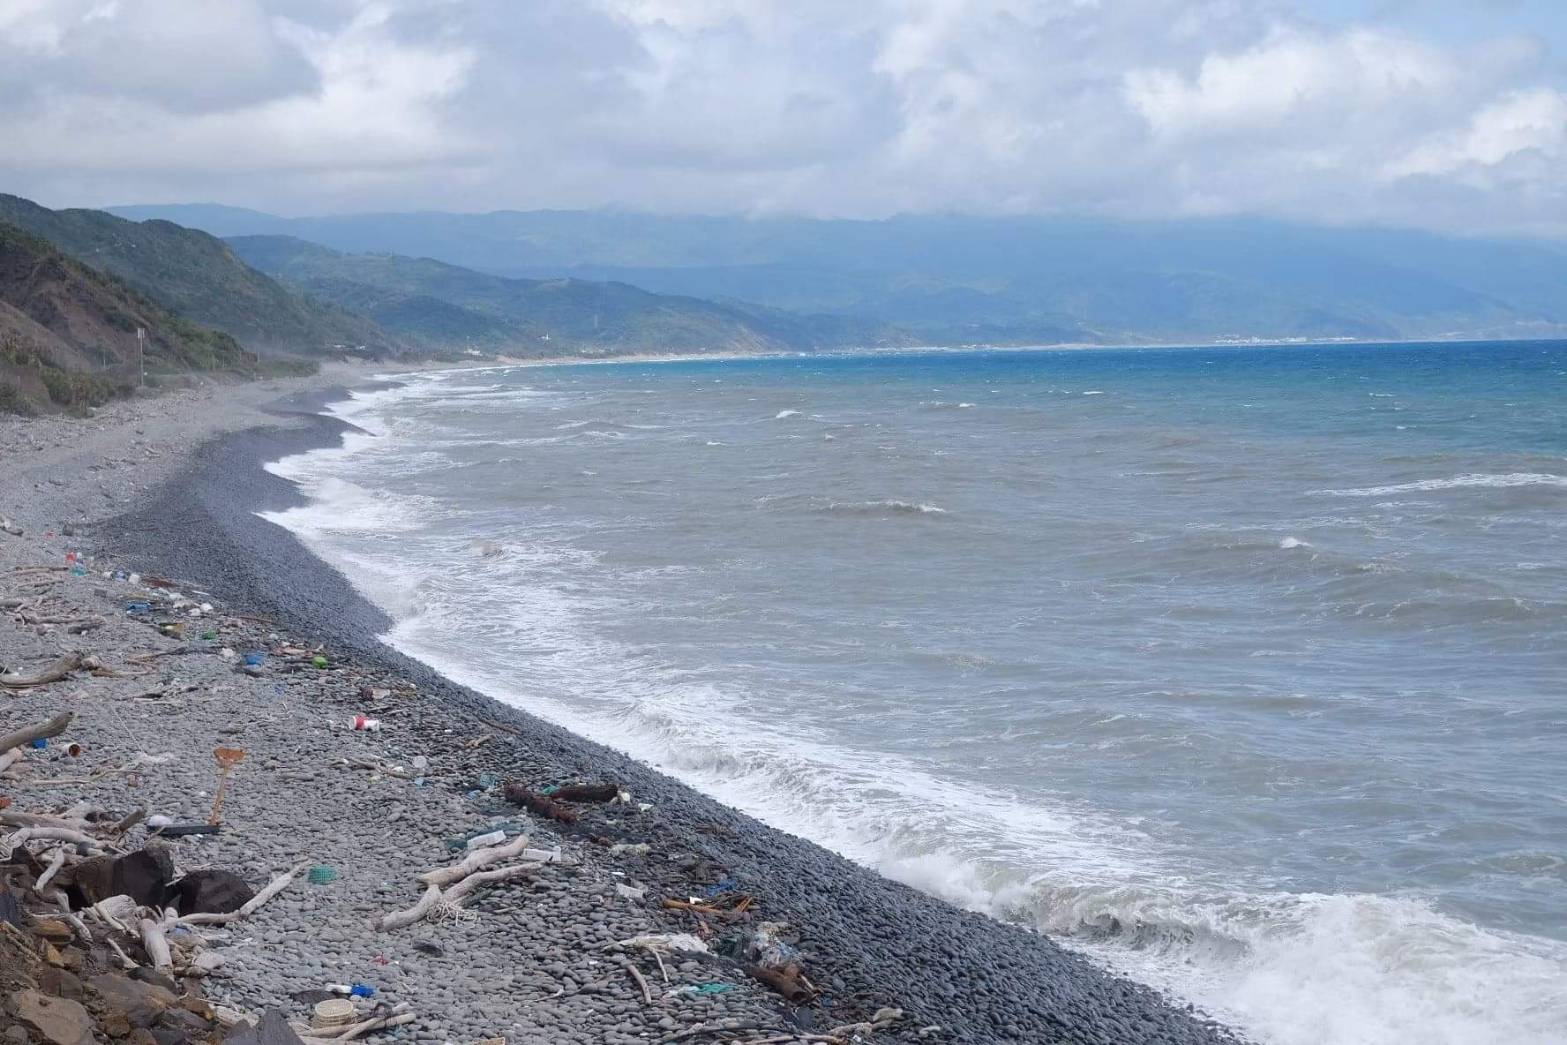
1137, 107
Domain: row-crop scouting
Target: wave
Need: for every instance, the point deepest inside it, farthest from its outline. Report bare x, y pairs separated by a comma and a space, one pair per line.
888, 507
785, 414
1475, 480
1288, 968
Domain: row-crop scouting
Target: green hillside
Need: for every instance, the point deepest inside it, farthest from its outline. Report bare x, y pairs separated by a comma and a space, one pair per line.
456, 307
199, 277
68, 333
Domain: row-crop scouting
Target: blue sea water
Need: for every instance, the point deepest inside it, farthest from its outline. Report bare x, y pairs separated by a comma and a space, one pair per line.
1241, 669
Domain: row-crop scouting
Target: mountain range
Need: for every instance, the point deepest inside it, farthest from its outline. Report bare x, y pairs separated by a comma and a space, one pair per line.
959, 280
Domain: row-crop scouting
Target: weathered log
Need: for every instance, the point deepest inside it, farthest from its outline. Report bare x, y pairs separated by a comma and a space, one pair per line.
42, 731
586, 793
53, 673
475, 861
786, 981
522, 795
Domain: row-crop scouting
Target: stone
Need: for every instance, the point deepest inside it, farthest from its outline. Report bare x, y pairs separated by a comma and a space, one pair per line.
213, 892
140, 1003
58, 1021
272, 1030
144, 876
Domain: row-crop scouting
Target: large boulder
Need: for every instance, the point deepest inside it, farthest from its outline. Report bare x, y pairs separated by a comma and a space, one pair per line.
213, 892
58, 1021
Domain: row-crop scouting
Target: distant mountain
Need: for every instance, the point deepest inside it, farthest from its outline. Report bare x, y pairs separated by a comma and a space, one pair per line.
959, 279
68, 332
198, 276
444, 304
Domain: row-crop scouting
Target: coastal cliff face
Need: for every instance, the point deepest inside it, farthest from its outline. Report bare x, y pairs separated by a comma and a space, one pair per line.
68, 333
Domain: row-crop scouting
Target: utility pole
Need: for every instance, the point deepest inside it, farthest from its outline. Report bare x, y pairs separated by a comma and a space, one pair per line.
141, 353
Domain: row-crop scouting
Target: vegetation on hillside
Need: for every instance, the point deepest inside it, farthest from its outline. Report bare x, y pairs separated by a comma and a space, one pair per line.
68, 333
198, 276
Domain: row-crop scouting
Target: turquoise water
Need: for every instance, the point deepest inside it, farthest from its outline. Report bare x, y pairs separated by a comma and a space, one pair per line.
1241, 669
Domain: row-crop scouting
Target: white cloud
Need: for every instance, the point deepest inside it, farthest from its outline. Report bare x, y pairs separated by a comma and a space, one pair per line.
1146, 107
1521, 122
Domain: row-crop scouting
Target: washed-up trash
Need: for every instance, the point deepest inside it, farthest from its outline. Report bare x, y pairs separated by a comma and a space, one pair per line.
332, 1012
186, 830
365, 724
138, 608
634, 848
209, 636
78, 570
706, 988
666, 942
723, 886
630, 892
321, 874
318, 661
255, 659
352, 990
40, 743
486, 840
158, 821
227, 758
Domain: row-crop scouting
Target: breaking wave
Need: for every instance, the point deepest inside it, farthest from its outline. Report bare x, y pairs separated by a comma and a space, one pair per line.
1457, 482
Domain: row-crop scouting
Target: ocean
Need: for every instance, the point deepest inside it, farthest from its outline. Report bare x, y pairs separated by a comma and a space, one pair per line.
1242, 670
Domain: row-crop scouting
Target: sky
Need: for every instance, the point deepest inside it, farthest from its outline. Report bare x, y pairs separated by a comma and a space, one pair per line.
1442, 114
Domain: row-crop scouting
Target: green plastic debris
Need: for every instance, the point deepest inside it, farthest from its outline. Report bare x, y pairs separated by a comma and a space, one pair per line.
318, 660
209, 635
321, 874
709, 988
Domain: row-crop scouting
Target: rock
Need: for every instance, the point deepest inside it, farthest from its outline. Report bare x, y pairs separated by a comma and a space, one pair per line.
140, 1003
10, 907
272, 1030
145, 974
58, 1021
213, 892
144, 876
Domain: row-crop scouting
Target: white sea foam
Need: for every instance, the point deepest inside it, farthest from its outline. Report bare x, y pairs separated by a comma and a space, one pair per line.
1293, 542
1290, 969
782, 414
1457, 482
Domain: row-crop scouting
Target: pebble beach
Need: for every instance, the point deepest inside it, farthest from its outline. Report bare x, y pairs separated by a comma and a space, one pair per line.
657, 915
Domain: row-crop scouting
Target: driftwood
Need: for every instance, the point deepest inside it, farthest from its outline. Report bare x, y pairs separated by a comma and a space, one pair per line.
156, 944
53, 834
53, 673
475, 861
787, 981
56, 862
277, 885
522, 795
44, 730
398, 919
9, 759
586, 793
481, 878
349, 1033
639, 979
